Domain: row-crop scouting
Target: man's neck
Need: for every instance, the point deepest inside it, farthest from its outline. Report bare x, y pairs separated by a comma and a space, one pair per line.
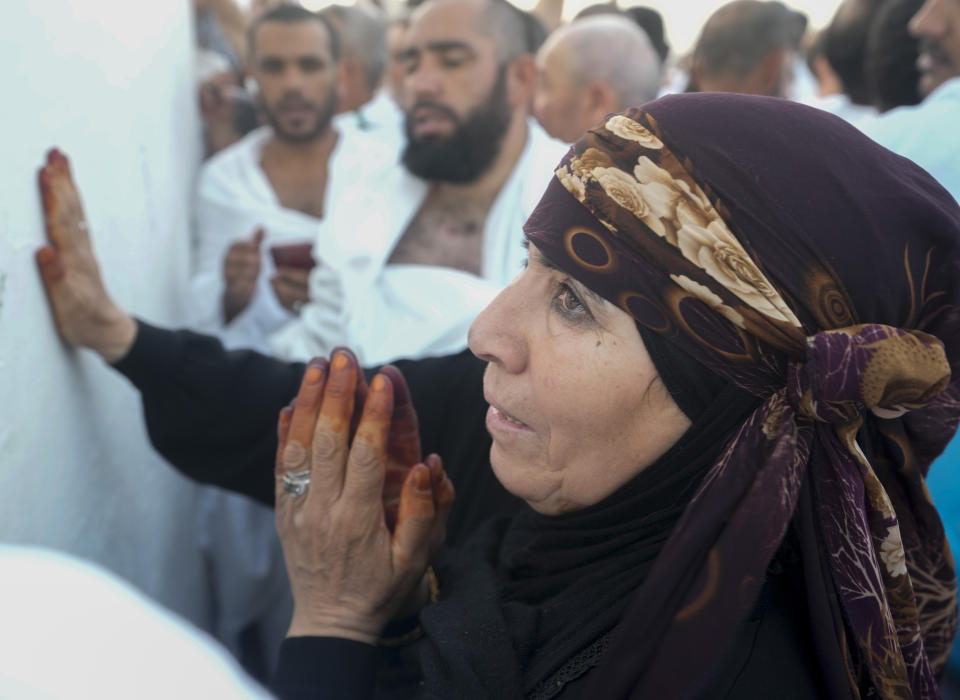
301, 152
486, 187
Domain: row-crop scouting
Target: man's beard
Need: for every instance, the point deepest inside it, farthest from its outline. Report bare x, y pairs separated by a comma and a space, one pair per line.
323, 116
466, 153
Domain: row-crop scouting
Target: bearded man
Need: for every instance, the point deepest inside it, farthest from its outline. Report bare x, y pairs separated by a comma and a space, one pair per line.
418, 250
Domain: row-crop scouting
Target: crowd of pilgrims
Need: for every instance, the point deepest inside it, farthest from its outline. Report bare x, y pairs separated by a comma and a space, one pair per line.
374, 179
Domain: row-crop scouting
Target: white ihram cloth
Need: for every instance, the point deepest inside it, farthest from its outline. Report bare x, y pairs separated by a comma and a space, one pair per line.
234, 198
376, 128
403, 310
73, 630
926, 134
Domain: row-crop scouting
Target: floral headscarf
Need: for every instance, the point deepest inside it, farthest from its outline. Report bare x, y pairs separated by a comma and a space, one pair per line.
814, 269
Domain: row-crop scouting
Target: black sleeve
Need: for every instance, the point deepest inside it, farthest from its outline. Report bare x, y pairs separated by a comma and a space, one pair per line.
310, 668
210, 412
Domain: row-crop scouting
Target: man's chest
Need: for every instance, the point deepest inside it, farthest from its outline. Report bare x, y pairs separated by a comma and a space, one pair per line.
303, 191
444, 233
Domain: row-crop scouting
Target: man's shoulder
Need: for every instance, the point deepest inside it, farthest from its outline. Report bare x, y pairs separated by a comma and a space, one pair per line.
235, 171
240, 156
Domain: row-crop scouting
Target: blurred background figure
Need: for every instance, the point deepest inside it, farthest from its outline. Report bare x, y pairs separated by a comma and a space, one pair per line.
591, 68
891, 56
365, 111
396, 72
837, 58
937, 25
748, 46
648, 19
865, 59
226, 108
927, 133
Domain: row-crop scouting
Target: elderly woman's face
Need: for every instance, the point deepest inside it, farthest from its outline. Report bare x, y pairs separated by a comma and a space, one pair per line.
576, 407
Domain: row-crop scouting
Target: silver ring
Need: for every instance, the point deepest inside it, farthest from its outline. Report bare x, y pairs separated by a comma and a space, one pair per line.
82, 225
296, 483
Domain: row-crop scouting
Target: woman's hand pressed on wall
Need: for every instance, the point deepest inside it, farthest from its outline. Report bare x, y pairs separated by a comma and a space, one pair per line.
83, 311
350, 571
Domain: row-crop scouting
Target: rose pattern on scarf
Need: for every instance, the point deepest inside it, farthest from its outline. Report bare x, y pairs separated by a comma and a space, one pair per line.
891, 552
704, 294
632, 131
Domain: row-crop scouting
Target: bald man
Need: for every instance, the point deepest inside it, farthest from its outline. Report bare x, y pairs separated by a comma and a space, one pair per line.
590, 68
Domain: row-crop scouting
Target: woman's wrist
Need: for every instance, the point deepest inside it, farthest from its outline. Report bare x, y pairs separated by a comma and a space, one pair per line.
365, 628
357, 628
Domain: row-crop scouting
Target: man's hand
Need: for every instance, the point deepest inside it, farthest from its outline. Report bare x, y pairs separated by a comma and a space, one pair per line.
83, 311
291, 285
241, 267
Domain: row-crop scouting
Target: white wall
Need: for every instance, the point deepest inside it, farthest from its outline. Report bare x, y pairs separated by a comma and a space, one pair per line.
110, 83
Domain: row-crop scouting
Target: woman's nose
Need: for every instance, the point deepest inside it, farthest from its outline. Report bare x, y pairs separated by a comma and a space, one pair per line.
497, 334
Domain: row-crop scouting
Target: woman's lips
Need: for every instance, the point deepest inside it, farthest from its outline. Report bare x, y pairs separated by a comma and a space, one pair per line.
500, 421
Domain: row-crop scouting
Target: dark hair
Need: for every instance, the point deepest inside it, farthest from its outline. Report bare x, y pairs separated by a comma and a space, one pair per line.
738, 36
891, 56
845, 45
650, 21
291, 14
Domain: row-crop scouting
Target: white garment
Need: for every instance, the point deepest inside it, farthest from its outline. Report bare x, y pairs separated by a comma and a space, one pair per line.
375, 130
391, 311
926, 134
840, 105
72, 630
234, 198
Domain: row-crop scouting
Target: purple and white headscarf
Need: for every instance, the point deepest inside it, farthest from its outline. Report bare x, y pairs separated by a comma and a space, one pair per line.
805, 264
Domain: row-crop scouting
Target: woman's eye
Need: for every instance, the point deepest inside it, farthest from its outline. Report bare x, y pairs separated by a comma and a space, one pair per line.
569, 303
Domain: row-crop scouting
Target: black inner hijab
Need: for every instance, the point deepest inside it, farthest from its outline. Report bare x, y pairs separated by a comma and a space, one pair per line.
566, 579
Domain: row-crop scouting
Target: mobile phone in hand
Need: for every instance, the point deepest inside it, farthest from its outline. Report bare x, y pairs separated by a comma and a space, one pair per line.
295, 255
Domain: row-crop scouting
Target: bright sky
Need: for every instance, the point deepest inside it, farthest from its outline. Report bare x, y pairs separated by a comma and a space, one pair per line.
683, 18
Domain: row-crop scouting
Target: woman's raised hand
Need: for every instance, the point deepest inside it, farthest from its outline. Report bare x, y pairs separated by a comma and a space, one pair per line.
349, 570
83, 311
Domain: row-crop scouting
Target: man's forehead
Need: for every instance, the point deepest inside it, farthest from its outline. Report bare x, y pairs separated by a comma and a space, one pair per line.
448, 20
291, 37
